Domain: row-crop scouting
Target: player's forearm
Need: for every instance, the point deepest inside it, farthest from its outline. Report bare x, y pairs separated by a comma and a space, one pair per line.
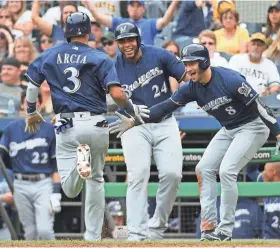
120, 98
160, 110
104, 19
31, 97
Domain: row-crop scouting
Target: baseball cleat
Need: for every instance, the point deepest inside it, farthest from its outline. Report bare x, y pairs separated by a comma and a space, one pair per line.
216, 236
84, 161
202, 237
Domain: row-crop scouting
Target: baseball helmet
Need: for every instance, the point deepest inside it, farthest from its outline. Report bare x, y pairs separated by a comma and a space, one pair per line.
77, 24
127, 30
196, 52
115, 208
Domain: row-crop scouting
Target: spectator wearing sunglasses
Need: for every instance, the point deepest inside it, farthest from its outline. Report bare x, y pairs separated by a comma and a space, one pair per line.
109, 45
45, 42
208, 39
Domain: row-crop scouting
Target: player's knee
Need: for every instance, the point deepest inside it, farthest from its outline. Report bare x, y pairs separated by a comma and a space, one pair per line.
45, 233
139, 175
227, 176
172, 176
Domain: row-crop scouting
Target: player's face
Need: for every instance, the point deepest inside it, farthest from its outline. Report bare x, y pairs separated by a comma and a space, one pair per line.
14, 6
10, 74
256, 49
135, 10
66, 11
192, 68
128, 47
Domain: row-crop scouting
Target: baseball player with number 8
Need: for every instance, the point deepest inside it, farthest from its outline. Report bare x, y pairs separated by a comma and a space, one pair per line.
245, 120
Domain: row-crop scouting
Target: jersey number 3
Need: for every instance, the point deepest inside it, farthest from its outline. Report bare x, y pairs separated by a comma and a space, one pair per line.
74, 78
158, 91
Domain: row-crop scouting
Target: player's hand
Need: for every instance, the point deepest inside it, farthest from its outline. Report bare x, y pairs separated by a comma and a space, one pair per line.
32, 122
55, 203
277, 144
140, 111
121, 125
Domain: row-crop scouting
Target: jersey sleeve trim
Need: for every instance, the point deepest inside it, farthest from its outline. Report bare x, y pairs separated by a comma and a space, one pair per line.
183, 76
31, 80
252, 100
4, 148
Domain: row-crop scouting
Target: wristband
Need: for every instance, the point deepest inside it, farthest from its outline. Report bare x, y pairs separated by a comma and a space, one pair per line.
56, 187
31, 107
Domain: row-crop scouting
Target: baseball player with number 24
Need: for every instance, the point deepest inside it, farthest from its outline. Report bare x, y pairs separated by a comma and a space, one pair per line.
245, 121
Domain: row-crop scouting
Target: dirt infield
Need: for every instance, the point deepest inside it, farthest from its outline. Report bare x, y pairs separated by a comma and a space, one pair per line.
155, 244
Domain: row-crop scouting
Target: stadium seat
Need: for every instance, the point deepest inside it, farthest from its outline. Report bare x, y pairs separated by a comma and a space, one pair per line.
272, 101
252, 27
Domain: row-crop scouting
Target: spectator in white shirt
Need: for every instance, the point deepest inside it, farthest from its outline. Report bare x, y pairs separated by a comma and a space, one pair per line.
208, 39
53, 15
260, 72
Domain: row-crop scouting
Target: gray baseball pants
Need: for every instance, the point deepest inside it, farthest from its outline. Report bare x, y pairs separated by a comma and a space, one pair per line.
228, 152
84, 131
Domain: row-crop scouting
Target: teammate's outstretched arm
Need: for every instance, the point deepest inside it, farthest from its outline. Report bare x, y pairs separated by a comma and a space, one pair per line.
157, 112
33, 118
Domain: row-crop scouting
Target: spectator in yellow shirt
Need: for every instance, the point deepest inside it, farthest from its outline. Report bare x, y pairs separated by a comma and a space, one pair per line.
231, 39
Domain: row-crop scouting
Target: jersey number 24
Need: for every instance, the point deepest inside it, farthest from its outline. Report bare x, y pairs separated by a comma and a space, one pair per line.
158, 90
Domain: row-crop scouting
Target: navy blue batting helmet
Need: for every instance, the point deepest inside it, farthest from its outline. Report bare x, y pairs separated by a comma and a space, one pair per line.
127, 30
77, 24
196, 52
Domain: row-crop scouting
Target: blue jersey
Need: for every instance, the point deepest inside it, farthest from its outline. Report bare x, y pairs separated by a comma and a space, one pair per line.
147, 81
78, 76
147, 28
227, 97
271, 225
30, 153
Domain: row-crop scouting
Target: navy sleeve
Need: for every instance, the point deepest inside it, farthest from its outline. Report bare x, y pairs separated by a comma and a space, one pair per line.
107, 74
241, 89
174, 66
181, 97
184, 94
34, 74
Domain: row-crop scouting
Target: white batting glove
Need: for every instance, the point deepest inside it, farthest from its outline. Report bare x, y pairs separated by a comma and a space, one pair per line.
55, 202
140, 111
33, 121
121, 125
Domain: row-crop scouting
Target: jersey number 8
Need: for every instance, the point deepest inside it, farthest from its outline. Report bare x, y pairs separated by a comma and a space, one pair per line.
74, 78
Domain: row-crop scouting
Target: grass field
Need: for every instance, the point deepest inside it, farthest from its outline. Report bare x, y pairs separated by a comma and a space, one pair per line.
119, 243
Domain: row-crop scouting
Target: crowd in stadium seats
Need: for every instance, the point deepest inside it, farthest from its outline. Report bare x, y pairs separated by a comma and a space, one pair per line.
28, 28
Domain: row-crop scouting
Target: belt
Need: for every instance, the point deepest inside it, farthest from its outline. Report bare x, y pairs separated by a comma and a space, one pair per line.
31, 177
103, 123
72, 115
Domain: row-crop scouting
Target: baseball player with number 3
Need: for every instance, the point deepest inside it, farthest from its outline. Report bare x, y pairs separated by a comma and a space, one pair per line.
245, 120
144, 74
79, 77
